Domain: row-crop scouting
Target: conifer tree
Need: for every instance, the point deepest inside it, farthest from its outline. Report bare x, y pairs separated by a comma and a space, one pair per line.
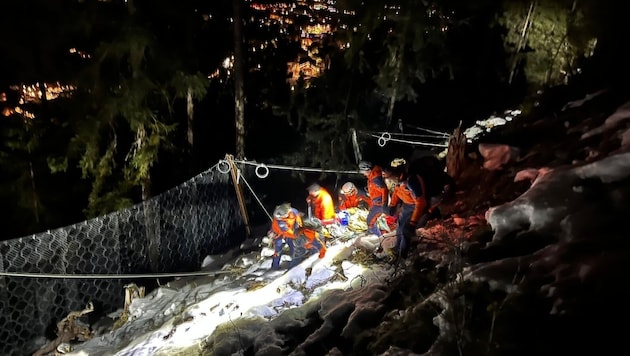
128, 94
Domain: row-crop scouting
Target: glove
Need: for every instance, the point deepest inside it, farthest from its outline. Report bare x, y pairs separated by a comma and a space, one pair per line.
322, 253
363, 205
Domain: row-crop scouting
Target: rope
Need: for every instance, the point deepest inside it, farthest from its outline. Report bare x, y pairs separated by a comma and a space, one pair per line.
386, 136
108, 276
255, 196
427, 130
380, 133
262, 171
304, 169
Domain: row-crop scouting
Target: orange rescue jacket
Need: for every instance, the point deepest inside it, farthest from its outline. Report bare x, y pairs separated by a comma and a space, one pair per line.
287, 227
323, 206
377, 190
312, 236
411, 194
352, 201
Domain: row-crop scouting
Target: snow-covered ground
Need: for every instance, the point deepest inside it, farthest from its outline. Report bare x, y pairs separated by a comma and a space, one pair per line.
186, 312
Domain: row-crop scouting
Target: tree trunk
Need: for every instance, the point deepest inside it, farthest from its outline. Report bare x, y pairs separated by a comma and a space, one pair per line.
190, 112
456, 154
150, 209
522, 40
152, 226
394, 96
36, 207
552, 61
239, 91
146, 187
36, 212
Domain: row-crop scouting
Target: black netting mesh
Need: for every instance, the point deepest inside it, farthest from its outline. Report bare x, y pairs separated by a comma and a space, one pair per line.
172, 232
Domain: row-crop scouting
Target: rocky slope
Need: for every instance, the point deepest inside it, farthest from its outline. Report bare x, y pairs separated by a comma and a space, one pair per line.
529, 257
543, 276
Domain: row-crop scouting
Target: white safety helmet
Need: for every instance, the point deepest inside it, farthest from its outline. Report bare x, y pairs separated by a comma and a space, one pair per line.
348, 189
282, 211
365, 166
398, 162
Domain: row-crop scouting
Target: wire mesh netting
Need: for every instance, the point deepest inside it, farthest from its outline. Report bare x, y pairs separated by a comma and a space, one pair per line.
171, 232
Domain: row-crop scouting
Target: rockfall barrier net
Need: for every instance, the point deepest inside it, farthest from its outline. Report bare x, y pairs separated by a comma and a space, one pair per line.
172, 232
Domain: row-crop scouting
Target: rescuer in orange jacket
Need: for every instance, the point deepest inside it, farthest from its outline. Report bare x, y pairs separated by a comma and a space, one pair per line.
321, 204
411, 194
284, 225
393, 174
351, 197
378, 192
310, 239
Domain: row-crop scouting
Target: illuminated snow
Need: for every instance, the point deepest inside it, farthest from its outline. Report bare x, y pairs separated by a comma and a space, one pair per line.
481, 126
173, 319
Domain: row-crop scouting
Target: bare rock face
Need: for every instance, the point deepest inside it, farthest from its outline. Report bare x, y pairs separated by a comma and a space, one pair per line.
613, 121
562, 200
582, 213
497, 155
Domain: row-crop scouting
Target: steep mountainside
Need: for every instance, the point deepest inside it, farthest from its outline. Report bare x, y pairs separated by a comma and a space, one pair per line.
528, 258
545, 275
